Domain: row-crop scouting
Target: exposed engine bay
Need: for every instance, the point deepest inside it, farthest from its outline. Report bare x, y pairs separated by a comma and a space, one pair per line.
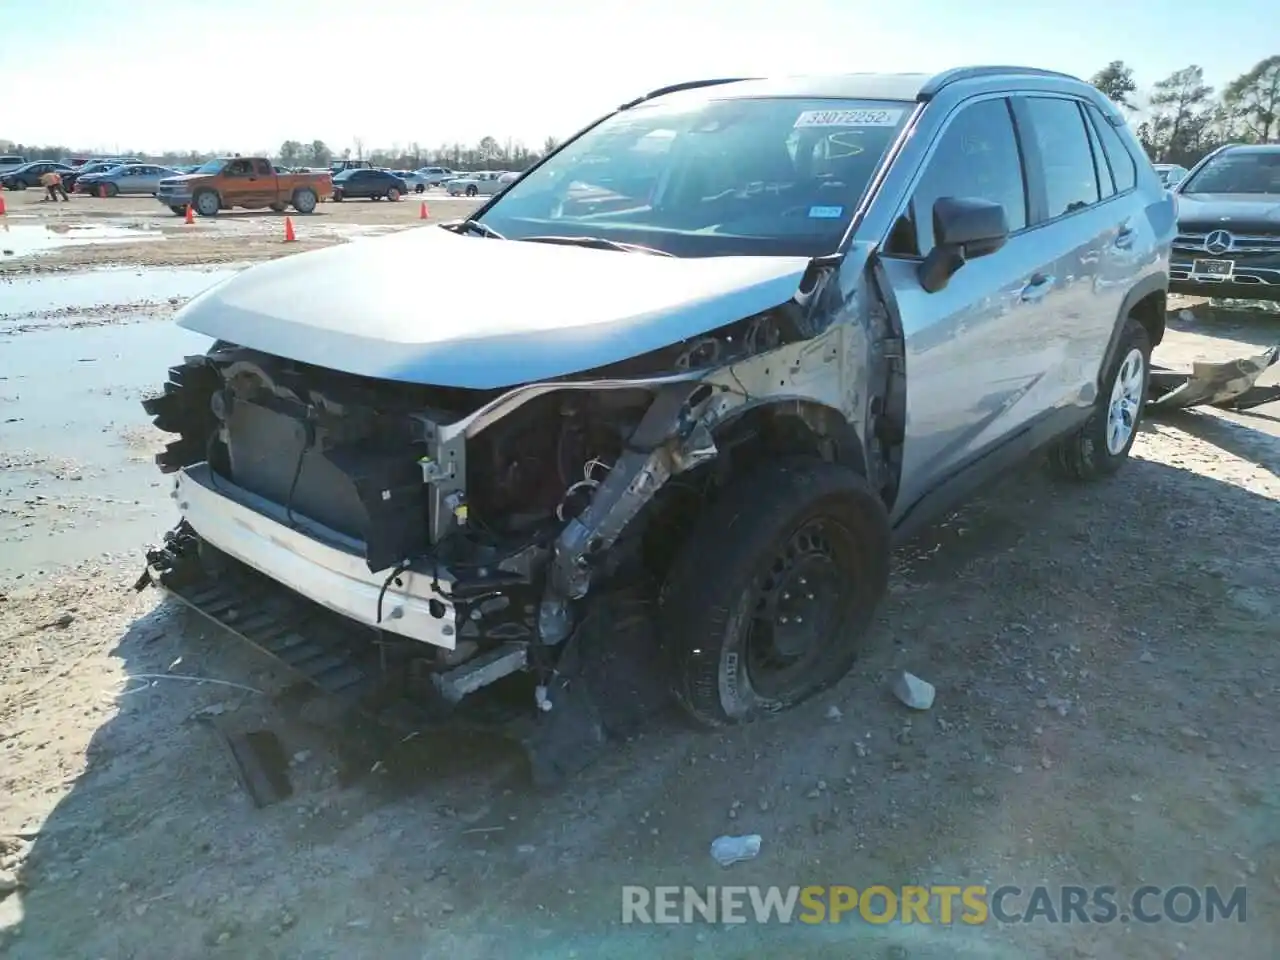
480, 519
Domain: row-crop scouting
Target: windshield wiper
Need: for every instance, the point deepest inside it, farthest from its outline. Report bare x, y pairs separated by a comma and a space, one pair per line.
473, 226
599, 243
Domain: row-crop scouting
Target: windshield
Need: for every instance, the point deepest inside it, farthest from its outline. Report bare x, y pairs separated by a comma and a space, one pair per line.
210, 166
707, 177
1237, 172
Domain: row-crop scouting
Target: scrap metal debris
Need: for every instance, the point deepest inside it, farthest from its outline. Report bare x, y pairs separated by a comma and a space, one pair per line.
260, 762
1229, 384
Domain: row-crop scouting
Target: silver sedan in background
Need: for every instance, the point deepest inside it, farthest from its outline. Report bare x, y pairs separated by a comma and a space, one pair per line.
128, 178
484, 183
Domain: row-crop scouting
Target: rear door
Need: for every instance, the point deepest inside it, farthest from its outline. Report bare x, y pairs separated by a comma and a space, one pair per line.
1087, 235
975, 350
263, 186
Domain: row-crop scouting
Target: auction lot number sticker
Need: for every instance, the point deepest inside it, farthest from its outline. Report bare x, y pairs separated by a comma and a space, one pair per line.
848, 118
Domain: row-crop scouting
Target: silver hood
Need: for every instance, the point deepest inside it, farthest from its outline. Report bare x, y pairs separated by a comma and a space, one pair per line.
429, 306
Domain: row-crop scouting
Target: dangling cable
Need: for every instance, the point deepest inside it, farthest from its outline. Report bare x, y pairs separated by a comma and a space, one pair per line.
398, 569
309, 441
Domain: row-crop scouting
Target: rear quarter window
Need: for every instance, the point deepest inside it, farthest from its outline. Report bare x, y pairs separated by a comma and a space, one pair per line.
1123, 167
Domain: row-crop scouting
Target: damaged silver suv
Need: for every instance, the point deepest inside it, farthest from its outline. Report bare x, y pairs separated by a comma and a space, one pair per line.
656, 414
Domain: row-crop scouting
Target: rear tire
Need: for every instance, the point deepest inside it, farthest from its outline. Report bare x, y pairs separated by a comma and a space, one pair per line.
796, 538
1102, 444
472, 191
337, 196
112, 190
304, 200
393, 194
419, 189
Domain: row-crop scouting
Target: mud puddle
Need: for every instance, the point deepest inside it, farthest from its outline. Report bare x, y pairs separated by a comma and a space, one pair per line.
77, 474
22, 296
27, 239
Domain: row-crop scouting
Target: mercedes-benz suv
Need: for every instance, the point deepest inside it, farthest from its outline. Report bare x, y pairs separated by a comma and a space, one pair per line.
1228, 241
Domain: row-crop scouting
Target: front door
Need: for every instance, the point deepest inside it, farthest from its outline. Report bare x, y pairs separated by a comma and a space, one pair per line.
977, 350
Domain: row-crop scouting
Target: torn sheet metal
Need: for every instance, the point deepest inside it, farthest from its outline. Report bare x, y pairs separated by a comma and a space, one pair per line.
1229, 384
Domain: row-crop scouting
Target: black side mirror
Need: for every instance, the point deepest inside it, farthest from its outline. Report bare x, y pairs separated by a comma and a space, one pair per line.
963, 228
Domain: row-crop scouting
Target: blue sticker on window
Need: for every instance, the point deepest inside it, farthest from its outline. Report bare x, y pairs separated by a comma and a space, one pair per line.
826, 213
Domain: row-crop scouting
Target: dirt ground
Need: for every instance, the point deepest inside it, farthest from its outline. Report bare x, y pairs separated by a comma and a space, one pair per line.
154, 237
1105, 660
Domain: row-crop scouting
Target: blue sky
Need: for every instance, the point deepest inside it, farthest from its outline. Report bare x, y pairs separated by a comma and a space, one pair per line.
247, 74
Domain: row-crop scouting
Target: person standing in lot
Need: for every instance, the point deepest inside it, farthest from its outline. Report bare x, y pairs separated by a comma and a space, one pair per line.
53, 186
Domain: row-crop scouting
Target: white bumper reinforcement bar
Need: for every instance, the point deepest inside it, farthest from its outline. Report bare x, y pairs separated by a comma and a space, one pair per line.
321, 564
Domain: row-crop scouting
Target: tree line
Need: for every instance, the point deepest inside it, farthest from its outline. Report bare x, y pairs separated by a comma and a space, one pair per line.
1182, 118
1179, 120
488, 154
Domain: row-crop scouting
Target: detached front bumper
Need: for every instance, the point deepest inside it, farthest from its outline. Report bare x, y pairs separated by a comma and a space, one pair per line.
320, 564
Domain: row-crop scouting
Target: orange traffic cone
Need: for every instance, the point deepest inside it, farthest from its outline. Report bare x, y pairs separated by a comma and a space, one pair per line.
289, 236
422, 211
191, 218
3, 211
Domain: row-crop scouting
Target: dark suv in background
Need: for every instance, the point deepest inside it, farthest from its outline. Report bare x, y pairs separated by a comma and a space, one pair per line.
1229, 225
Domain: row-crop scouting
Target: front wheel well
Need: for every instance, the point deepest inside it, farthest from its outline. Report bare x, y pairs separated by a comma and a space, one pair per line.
760, 434
1150, 312
790, 428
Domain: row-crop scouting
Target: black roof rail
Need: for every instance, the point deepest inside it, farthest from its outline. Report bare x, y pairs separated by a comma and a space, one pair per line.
947, 77
677, 87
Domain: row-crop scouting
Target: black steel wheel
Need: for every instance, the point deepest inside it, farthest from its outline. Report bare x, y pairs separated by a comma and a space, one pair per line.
769, 597
797, 608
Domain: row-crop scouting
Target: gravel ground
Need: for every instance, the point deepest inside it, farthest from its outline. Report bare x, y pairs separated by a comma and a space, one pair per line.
1105, 662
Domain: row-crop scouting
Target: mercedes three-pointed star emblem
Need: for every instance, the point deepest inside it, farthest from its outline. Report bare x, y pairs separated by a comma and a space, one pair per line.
1217, 242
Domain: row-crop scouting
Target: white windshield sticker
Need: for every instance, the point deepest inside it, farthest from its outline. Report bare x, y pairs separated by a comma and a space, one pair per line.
826, 213
849, 118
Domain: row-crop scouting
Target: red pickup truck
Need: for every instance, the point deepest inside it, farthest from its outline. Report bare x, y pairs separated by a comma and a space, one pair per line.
248, 182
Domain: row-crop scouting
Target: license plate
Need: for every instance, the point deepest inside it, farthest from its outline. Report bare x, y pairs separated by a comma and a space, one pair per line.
1213, 269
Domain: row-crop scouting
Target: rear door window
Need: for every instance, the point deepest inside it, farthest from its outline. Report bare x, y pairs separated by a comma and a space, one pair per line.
1124, 170
1070, 178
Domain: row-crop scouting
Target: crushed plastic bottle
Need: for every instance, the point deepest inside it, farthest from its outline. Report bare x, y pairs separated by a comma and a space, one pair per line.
729, 850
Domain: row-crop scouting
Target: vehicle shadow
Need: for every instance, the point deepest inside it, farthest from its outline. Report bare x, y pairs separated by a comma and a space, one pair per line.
441, 848
258, 214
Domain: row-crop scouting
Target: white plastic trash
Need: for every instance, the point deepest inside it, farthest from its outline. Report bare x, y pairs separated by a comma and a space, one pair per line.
912, 691
729, 850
